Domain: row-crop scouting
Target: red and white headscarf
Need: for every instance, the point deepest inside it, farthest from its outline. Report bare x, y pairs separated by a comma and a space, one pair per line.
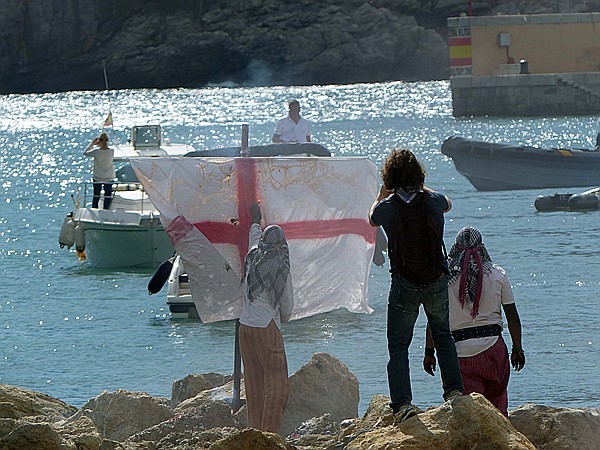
468, 260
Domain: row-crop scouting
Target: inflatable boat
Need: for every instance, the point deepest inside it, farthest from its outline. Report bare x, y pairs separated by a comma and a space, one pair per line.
586, 201
496, 167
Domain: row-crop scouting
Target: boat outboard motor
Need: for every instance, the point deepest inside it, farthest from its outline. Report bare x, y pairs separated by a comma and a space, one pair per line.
161, 276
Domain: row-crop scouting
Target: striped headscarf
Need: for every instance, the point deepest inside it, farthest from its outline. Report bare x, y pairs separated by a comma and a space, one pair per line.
469, 260
268, 266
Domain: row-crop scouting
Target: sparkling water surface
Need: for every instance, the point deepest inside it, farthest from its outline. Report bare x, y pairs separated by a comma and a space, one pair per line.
72, 331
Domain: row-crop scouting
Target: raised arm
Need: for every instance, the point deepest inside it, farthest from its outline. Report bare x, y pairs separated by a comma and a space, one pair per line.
383, 193
91, 146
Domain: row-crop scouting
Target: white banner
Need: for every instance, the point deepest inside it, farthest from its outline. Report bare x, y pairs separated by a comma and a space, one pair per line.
322, 204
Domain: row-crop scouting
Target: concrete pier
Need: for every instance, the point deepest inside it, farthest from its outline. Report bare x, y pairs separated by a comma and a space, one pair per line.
547, 94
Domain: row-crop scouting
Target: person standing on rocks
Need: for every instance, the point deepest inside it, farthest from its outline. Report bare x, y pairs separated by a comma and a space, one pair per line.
412, 216
104, 169
292, 128
478, 291
267, 303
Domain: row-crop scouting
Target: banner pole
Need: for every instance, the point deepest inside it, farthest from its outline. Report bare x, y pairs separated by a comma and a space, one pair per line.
237, 356
237, 369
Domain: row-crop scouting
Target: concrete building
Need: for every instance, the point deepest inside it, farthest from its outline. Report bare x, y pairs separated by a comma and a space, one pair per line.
525, 65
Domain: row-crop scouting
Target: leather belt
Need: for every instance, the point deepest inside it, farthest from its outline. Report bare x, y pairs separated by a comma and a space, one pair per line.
476, 332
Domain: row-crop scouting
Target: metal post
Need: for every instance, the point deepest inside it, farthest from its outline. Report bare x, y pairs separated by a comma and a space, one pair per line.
237, 369
245, 132
237, 357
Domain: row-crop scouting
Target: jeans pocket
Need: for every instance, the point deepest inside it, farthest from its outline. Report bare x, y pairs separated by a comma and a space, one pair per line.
276, 359
438, 296
403, 297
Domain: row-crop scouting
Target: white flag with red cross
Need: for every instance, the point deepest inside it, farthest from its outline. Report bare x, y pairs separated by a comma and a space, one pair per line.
322, 204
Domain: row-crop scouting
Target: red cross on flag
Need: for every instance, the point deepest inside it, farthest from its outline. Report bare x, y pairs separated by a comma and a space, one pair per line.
322, 204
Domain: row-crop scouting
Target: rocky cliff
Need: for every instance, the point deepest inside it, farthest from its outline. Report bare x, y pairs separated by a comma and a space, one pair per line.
58, 45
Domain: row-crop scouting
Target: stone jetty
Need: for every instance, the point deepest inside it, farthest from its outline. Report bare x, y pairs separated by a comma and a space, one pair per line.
322, 413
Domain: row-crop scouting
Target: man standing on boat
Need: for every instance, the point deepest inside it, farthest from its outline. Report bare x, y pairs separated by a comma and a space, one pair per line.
292, 128
104, 169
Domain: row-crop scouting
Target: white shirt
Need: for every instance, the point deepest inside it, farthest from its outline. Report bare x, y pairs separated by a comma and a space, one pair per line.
495, 292
104, 169
259, 312
290, 131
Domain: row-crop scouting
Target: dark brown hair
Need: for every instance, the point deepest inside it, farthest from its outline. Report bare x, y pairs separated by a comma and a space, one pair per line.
402, 169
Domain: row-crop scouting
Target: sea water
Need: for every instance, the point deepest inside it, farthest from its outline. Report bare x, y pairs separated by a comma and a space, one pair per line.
72, 331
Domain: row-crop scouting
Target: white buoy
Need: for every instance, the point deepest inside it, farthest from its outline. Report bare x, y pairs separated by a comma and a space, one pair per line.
66, 238
79, 237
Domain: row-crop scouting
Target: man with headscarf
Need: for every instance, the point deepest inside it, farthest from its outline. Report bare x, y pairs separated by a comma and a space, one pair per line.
478, 291
267, 302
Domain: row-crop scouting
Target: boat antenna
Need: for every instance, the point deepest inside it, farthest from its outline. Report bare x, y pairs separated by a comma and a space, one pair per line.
108, 122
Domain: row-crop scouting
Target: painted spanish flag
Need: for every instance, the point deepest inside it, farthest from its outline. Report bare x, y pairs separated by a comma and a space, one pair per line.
460, 51
108, 122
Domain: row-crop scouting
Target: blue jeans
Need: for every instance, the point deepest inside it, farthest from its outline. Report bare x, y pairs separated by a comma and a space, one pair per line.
403, 309
98, 187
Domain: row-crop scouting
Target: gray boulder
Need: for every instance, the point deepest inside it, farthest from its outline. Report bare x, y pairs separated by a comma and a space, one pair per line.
558, 428
121, 414
192, 385
16, 403
467, 422
322, 386
78, 435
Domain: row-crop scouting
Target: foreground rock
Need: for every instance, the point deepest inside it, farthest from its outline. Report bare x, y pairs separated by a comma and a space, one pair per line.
121, 414
16, 403
558, 428
466, 422
322, 386
321, 415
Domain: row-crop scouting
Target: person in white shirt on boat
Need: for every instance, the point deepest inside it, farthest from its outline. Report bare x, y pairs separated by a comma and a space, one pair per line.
104, 169
267, 303
293, 127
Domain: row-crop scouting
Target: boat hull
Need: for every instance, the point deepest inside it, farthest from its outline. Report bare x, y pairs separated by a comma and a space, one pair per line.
120, 239
496, 167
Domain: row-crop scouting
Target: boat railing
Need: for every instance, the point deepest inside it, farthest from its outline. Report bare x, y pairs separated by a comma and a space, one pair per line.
84, 199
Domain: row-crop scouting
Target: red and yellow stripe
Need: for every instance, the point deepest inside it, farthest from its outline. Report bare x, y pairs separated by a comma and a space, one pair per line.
461, 52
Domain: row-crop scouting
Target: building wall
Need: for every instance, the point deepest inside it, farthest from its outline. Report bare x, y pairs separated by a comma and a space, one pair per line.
551, 43
561, 75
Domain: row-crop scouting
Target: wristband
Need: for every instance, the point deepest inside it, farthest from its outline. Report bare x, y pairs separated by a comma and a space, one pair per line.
429, 351
517, 349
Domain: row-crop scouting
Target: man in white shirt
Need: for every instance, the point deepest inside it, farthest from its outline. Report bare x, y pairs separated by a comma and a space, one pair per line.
292, 128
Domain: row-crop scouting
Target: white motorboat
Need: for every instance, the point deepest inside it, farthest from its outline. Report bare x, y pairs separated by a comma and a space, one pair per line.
130, 233
179, 296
